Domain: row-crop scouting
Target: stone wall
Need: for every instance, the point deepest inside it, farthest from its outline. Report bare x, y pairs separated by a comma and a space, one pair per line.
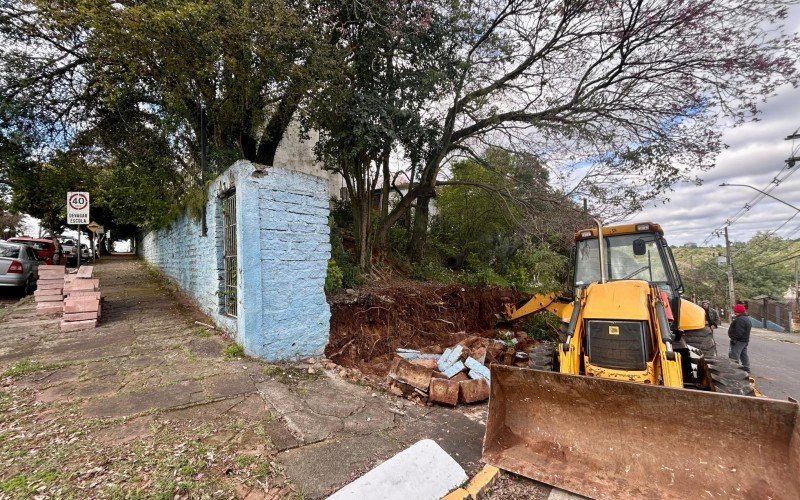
282, 252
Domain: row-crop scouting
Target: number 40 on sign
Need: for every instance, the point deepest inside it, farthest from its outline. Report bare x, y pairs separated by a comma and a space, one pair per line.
78, 208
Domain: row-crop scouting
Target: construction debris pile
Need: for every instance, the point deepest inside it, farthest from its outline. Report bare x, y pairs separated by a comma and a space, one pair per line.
76, 295
458, 374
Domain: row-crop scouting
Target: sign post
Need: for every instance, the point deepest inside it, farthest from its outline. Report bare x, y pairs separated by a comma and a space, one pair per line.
97, 229
78, 214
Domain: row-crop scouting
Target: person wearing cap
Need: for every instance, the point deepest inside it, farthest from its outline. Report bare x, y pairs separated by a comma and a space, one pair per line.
739, 333
712, 318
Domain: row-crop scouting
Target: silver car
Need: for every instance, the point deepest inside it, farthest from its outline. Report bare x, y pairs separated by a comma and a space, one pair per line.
19, 266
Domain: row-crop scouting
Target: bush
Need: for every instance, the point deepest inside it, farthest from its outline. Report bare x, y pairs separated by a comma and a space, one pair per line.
333, 280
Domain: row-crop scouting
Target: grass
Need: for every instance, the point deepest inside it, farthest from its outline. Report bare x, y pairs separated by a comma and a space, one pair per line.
290, 374
233, 351
202, 332
26, 366
61, 457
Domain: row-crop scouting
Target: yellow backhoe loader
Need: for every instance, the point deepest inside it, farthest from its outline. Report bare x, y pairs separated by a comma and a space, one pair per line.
633, 401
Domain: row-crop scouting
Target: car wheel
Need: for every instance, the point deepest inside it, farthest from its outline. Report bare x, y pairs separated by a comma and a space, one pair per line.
27, 288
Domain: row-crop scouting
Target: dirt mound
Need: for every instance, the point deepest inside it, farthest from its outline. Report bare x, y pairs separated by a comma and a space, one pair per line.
369, 325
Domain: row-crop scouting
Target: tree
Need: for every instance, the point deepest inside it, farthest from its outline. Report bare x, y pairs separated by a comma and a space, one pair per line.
132, 87
619, 99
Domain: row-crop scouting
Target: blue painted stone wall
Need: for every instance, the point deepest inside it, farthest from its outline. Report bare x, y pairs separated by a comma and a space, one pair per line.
282, 250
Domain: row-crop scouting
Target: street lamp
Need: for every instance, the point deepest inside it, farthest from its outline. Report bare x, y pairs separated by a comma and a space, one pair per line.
724, 184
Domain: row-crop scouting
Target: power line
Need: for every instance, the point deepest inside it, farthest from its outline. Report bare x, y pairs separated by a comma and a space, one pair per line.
787, 258
785, 172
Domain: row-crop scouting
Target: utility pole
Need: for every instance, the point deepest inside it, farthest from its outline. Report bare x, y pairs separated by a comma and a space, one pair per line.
796, 286
731, 294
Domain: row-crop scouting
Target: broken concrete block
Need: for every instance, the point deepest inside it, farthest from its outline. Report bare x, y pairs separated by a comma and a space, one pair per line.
449, 358
454, 369
411, 374
411, 354
477, 369
423, 471
443, 391
473, 391
444, 358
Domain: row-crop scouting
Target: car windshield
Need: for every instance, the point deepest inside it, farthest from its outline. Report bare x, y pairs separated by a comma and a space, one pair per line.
9, 251
621, 261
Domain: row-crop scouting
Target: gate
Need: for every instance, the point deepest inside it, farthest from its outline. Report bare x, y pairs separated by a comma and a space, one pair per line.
229, 254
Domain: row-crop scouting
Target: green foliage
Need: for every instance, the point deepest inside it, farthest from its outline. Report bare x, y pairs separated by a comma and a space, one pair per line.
233, 351
342, 270
26, 366
541, 326
762, 266
333, 280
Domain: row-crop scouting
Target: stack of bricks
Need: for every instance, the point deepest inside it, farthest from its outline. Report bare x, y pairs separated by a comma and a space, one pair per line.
81, 301
49, 289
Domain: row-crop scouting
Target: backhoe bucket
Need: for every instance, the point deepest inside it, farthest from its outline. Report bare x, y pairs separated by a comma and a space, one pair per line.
608, 439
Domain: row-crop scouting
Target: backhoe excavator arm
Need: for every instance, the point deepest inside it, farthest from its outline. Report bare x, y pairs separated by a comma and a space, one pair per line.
553, 302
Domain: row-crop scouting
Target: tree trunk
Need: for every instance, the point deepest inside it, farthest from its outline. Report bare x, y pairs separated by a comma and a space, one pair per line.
419, 233
385, 192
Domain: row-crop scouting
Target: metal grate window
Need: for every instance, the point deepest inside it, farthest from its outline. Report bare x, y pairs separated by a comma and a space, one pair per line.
229, 254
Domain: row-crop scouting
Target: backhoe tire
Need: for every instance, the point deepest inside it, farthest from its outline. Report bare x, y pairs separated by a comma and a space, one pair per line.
728, 377
543, 357
702, 339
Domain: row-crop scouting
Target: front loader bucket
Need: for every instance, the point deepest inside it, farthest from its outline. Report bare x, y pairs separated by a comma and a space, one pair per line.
608, 439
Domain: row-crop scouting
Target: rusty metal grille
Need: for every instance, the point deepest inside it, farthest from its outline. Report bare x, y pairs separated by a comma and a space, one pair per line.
229, 254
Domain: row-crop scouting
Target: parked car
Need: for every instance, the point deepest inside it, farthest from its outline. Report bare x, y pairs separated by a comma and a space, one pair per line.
49, 251
19, 266
86, 253
68, 247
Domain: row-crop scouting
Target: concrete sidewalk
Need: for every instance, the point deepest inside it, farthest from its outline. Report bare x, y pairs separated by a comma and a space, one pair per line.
151, 404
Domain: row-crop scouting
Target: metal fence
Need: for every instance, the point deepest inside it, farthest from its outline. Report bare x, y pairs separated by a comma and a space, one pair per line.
765, 309
229, 253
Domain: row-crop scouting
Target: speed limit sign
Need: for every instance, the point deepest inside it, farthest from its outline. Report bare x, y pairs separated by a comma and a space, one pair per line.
78, 208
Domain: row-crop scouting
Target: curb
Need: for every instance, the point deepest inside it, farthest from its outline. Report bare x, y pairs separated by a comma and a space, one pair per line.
476, 486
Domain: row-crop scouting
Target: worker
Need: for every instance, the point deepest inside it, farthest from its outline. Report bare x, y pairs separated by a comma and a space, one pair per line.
712, 318
739, 334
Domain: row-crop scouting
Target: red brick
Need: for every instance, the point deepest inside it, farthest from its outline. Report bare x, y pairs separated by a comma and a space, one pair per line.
84, 272
73, 326
460, 376
88, 294
473, 391
80, 316
51, 267
49, 285
81, 304
411, 374
443, 391
79, 284
427, 363
49, 307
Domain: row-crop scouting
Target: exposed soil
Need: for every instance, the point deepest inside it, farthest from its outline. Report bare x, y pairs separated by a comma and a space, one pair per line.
367, 326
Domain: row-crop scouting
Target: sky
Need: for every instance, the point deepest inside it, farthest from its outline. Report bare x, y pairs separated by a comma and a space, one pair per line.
756, 153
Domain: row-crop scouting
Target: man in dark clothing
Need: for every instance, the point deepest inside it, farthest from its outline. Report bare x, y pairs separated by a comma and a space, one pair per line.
739, 333
712, 318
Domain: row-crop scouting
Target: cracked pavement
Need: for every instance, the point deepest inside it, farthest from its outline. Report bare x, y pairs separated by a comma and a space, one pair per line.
148, 359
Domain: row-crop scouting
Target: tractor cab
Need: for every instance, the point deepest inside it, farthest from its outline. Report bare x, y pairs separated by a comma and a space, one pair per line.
632, 252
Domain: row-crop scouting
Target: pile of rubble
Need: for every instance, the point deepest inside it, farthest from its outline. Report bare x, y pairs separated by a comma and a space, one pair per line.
457, 374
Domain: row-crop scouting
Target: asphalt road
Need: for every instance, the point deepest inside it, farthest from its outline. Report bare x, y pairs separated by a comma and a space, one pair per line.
774, 361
